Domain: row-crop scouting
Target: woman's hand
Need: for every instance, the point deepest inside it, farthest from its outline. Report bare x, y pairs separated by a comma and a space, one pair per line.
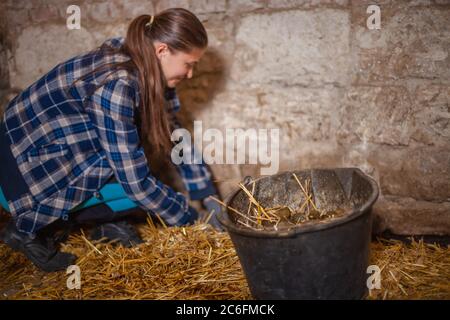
213, 208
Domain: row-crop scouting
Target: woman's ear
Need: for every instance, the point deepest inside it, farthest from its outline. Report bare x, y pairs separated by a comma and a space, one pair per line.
161, 49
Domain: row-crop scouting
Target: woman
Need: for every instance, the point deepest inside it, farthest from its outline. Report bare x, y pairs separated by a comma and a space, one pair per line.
93, 119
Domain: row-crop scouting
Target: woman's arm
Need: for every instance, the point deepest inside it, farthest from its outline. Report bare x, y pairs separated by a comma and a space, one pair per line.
111, 110
196, 177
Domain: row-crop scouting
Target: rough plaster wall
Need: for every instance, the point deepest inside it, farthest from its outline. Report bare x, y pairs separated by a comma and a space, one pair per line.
4, 72
341, 94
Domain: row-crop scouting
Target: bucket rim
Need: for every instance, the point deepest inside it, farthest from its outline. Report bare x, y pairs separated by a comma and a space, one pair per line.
224, 219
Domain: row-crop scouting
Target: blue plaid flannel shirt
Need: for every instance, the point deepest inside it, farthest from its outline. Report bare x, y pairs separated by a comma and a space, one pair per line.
69, 138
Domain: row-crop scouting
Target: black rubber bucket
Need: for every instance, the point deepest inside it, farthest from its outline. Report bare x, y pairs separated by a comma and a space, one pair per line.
325, 260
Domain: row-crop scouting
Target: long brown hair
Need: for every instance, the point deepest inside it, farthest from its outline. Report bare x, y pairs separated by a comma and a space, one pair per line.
181, 30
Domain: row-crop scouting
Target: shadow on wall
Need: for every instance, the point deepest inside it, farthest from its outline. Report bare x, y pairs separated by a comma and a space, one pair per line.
197, 93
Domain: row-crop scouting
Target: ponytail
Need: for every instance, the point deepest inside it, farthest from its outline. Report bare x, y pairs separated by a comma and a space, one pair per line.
181, 30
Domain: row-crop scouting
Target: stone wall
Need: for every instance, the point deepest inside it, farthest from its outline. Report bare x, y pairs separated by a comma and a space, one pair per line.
4, 72
342, 95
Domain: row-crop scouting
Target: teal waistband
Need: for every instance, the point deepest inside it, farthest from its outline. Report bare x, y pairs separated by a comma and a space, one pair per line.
111, 194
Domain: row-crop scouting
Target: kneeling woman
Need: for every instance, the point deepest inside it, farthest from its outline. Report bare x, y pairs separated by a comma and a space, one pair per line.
87, 122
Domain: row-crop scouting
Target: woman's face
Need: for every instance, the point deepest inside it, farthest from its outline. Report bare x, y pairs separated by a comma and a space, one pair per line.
177, 65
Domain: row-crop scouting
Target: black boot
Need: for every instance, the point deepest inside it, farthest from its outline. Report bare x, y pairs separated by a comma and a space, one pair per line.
40, 250
122, 232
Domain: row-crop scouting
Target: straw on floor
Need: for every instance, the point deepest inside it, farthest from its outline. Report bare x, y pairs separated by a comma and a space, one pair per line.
197, 262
